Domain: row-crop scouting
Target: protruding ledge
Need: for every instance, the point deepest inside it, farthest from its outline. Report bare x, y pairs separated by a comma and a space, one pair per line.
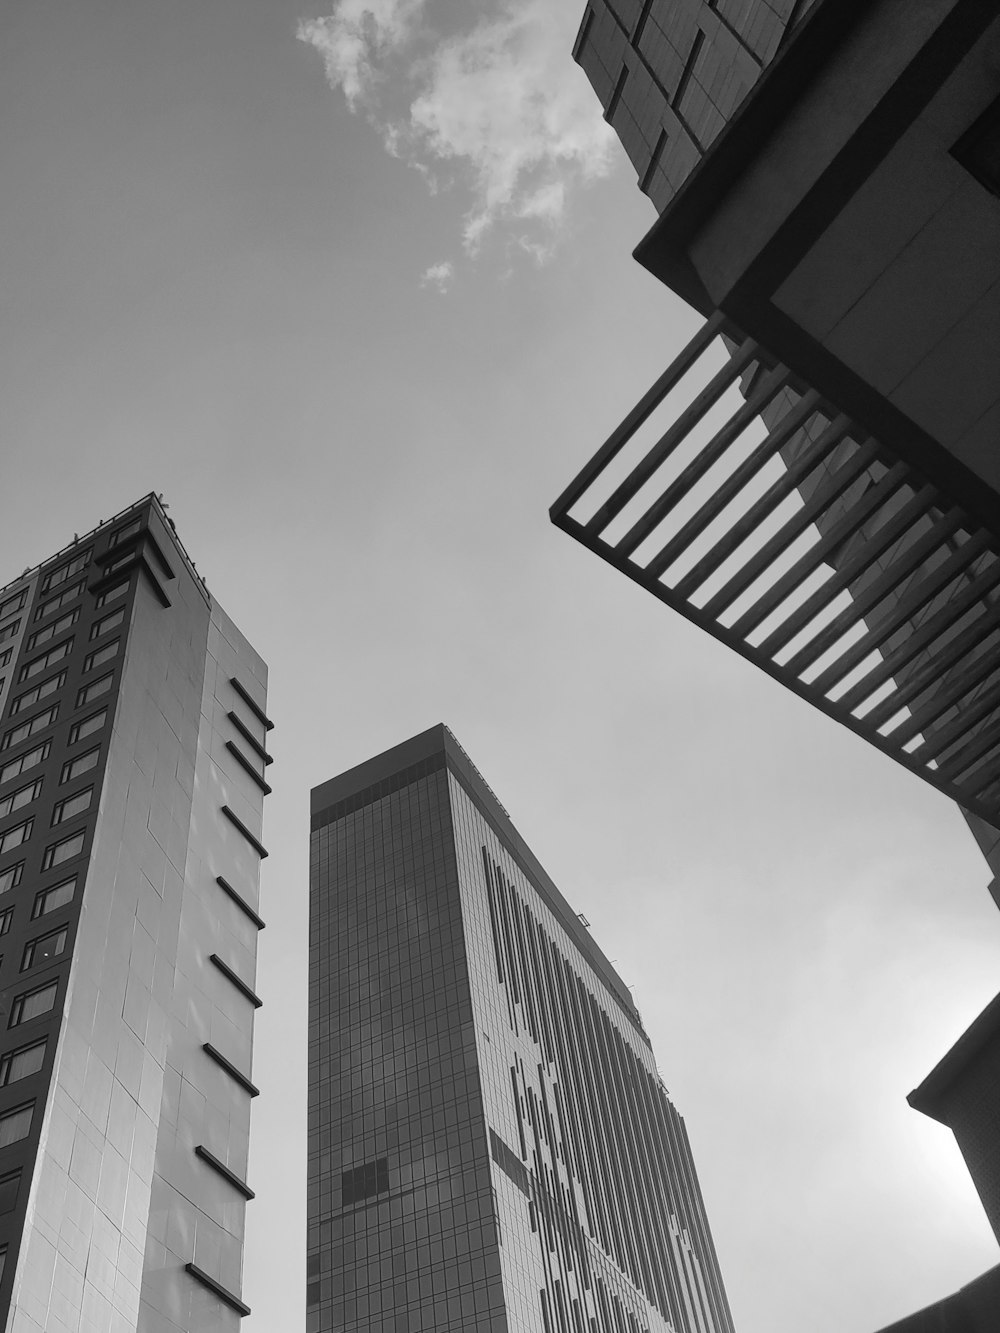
240, 902
248, 767
230, 1069
237, 980
238, 824
254, 707
224, 1171
223, 1293
249, 737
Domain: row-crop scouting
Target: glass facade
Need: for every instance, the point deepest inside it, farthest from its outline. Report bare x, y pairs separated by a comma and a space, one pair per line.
490, 1145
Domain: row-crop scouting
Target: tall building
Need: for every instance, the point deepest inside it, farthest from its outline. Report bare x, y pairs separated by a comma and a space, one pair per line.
814, 480
491, 1148
132, 760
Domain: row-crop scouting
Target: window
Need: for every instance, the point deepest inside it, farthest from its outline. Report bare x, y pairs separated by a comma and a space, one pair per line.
88, 726
45, 948
22, 797
5, 656
8, 631
365, 1181
108, 623
50, 900
64, 572
33, 725
10, 877
81, 764
94, 690
123, 534
33, 1003
65, 622
13, 603
15, 1125
16, 1065
42, 663
58, 852
101, 655
62, 599
119, 562
25, 761
14, 837
6, 918
72, 806
110, 594
8, 1193
42, 691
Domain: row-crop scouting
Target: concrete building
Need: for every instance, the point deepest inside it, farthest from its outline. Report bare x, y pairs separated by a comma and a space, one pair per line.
815, 479
491, 1148
132, 760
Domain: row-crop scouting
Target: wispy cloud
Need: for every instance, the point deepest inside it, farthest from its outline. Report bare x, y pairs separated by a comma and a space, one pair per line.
438, 275
498, 105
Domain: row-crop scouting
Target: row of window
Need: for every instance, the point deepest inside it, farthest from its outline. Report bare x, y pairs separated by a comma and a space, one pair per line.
72, 768
57, 852
33, 725
95, 659
13, 603
48, 900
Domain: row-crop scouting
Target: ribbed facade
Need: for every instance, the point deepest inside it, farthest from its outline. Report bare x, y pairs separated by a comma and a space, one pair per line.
131, 786
487, 1125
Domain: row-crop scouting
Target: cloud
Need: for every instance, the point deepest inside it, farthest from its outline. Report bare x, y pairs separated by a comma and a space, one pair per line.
500, 104
438, 275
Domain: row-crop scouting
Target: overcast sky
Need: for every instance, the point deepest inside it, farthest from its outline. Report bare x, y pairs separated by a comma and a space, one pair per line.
353, 289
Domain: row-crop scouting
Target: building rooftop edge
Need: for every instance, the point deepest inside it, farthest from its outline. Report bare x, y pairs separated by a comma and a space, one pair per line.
151, 497
929, 1097
440, 739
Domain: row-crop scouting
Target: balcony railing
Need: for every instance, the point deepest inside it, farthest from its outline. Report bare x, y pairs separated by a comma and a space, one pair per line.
765, 516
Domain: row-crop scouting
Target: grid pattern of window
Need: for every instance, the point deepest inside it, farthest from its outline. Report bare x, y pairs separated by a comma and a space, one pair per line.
393, 1076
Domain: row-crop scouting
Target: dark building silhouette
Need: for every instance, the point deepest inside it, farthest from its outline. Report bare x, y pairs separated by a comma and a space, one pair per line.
491, 1147
131, 787
815, 479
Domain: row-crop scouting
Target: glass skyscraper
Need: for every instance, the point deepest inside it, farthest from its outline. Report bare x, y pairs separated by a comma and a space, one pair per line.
132, 763
491, 1149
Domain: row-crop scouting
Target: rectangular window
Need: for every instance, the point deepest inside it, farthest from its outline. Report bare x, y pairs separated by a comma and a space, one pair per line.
6, 918
72, 806
25, 761
16, 1065
62, 599
45, 661
81, 764
123, 534
20, 798
15, 1125
110, 594
5, 656
64, 572
101, 655
363, 1182
9, 1186
10, 878
16, 836
50, 900
45, 948
8, 631
107, 623
42, 691
88, 726
13, 603
119, 562
30, 728
94, 690
33, 1003
49, 632
58, 852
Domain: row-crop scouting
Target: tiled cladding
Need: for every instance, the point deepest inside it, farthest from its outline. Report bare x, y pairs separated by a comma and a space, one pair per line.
538, 1177
670, 74
74, 1240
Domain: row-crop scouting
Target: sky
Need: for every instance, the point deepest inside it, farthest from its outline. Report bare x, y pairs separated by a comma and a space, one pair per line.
353, 288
